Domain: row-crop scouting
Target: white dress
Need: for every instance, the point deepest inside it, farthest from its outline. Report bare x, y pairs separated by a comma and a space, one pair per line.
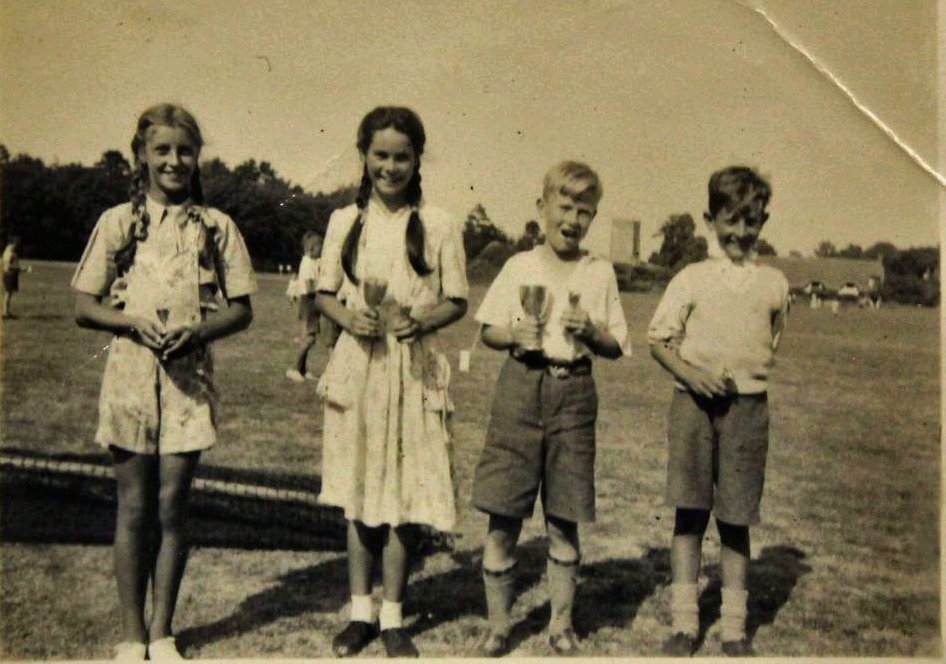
386, 455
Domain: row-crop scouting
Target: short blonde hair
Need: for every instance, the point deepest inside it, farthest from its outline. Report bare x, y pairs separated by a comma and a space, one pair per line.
575, 180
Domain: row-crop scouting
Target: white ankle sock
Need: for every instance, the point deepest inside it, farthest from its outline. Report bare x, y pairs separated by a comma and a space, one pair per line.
390, 615
361, 608
732, 614
684, 608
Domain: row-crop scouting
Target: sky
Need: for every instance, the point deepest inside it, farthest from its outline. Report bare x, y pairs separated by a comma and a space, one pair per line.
654, 95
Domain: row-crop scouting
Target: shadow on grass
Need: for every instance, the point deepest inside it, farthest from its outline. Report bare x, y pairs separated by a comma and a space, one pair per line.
40, 504
321, 588
772, 578
610, 592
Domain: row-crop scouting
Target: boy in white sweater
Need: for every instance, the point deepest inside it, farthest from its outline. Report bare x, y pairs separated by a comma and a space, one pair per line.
716, 330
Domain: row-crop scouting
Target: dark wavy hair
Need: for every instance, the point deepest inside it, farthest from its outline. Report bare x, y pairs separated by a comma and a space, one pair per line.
408, 123
737, 186
165, 115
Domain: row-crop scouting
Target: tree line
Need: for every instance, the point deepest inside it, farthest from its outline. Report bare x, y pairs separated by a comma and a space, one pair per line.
52, 208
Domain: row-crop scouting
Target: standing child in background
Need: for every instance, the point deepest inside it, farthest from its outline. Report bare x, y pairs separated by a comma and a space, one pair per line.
541, 436
157, 409
716, 330
11, 273
306, 279
386, 459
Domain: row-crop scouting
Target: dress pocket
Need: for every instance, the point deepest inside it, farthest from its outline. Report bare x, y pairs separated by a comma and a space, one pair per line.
336, 387
436, 381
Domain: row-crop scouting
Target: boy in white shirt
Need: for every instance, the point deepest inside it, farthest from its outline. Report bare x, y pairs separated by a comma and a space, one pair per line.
541, 435
716, 330
308, 312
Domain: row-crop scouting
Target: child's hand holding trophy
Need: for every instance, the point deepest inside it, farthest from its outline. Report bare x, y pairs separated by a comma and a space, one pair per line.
575, 320
364, 322
527, 333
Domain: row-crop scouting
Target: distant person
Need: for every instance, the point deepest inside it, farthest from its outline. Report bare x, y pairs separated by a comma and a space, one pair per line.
541, 435
158, 407
304, 292
716, 330
11, 274
400, 265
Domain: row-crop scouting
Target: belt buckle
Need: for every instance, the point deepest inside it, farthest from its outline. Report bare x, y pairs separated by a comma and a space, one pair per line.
559, 371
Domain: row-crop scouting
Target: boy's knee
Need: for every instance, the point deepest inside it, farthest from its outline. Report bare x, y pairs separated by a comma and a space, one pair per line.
690, 521
733, 536
563, 540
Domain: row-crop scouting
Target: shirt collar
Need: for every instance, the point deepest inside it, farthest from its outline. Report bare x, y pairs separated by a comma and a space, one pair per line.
715, 250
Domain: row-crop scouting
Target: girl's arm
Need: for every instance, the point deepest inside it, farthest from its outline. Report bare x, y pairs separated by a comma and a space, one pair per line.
697, 380
357, 323
237, 316
92, 314
448, 311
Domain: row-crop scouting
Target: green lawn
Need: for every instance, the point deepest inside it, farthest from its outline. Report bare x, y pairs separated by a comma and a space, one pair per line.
846, 561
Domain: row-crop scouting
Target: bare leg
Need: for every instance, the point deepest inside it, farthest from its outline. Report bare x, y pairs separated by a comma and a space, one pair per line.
686, 548
395, 559
361, 551
176, 474
136, 478
308, 340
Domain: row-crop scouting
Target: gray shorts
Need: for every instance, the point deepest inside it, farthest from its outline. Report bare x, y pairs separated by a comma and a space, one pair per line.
717, 454
540, 440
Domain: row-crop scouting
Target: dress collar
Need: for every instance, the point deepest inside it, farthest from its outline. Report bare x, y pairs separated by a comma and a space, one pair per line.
158, 212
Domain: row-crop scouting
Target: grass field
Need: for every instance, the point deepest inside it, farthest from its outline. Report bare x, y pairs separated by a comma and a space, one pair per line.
846, 561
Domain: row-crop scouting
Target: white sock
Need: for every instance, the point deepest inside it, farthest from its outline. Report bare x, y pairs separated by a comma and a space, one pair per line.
732, 614
390, 615
684, 608
361, 609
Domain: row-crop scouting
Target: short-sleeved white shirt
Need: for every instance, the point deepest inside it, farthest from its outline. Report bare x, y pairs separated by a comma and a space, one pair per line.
308, 275
593, 279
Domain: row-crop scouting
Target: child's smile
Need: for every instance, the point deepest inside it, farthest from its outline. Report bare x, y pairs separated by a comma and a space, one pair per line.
390, 162
171, 158
566, 222
738, 230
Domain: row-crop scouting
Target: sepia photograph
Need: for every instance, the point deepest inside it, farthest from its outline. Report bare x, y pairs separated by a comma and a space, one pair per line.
443, 329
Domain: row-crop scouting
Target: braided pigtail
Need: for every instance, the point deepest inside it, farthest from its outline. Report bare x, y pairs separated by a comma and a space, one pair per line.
125, 257
353, 239
416, 238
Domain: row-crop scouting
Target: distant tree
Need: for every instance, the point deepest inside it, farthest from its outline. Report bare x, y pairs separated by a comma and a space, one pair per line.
826, 249
4, 155
764, 248
114, 164
912, 276
880, 250
680, 245
479, 231
851, 251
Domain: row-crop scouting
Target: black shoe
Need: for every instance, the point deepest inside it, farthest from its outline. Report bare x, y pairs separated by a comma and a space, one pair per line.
397, 643
492, 645
351, 640
565, 643
740, 648
679, 645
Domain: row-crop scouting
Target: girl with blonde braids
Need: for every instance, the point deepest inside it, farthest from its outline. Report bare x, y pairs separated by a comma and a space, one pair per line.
151, 274
400, 267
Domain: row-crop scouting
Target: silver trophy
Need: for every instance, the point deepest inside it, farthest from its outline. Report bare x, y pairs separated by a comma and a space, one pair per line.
533, 299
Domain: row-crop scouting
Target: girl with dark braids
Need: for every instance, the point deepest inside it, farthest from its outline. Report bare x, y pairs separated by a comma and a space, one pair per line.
399, 265
151, 274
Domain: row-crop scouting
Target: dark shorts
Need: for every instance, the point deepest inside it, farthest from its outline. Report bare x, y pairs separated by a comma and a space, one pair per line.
11, 281
717, 455
541, 438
